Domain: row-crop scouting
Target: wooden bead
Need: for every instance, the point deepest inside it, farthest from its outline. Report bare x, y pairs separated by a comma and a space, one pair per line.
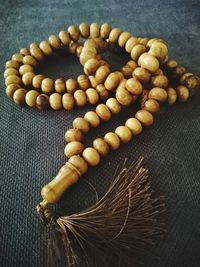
114, 35
84, 30
142, 74
27, 78
124, 133
73, 135
145, 117
101, 146
47, 85
102, 91
134, 125
91, 156
73, 48
37, 53
31, 97
19, 96
152, 40
24, 51
192, 82
55, 101
123, 96
37, 81
132, 64
144, 41
148, 62
80, 98
78, 162
159, 81
25, 68
71, 86
79, 50
42, 102
113, 105
127, 71
29, 60
73, 32
130, 43
92, 118
158, 93
102, 73
12, 79
171, 63
112, 81
93, 81
86, 55
73, 148
10, 71
60, 85
177, 73
82, 124
83, 82
171, 96
184, 77
151, 105
159, 50
64, 37
91, 66
46, 48
134, 86
113, 140
18, 57
33, 45
68, 101
103, 112
12, 64
92, 96
94, 30
105, 30
124, 36
137, 50
54, 41
11, 88
183, 93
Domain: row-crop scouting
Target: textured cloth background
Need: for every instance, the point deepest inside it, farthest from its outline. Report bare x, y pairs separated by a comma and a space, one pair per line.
32, 143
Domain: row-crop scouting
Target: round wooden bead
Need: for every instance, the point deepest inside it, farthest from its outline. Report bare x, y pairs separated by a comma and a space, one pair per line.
24, 51
27, 78
171, 63
64, 37
134, 125
159, 50
103, 112
73, 48
101, 146
37, 53
124, 36
92, 96
12, 79
192, 82
93, 81
159, 81
171, 96
29, 60
123, 96
83, 82
47, 85
11, 88
114, 35
80, 98
152, 40
18, 57
25, 68
33, 45
148, 62
55, 101
68, 101
113, 140
144, 41
42, 101
145, 117
113, 105
102, 73
86, 55
94, 30
127, 71
141, 74
31, 97
105, 30
54, 41
84, 30
73, 135
102, 91
91, 156
151, 105
73, 148
60, 85
137, 50
91, 66
158, 93
71, 86
37, 81
19, 96
78, 162
46, 48
177, 73
183, 93
130, 43
73, 32
82, 124
184, 77
112, 81
92, 118
134, 86
124, 133
10, 71
12, 64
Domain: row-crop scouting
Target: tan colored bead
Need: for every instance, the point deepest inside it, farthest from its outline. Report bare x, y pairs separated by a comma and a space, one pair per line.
25, 68
184, 77
12, 64
86, 55
47, 85
79, 50
127, 71
11, 88
124, 133
183, 93
145, 117
84, 30
113, 105
29, 60
91, 66
113, 140
130, 43
64, 37
144, 41
101, 146
46, 48
80, 98
83, 82
142, 74
192, 82
132, 64
103, 92
178, 72
10, 71
73, 148
19, 96
114, 35
92, 118
73, 135
102, 73
68, 101
159, 81
123, 96
54, 41
91, 156
134, 125
94, 30
151, 41
171, 63
151, 105
31, 97
112, 81
137, 51
73, 32
37, 81
124, 36
33, 45
148, 62
55, 101
134, 86
171, 96
82, 124
158, 93
12, 79
92, 96
24, 51
42, 102
159, 50
78, 162
103, 112
105, 30
17, 57
73, 47
37, 53
71, 86
27, 78
60, 86
93, 81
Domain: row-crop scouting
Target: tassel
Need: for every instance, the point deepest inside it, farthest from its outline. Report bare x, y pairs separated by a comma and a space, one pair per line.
125, 220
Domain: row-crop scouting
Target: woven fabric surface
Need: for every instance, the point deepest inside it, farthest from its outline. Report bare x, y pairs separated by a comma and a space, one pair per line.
32, 143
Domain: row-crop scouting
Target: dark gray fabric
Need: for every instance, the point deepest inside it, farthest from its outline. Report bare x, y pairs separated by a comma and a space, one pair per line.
31, 142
